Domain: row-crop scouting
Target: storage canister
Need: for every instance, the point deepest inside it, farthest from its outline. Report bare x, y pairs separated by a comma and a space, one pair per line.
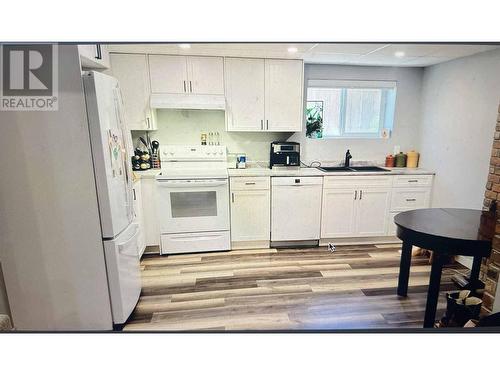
389, 161
400, 160
412, 160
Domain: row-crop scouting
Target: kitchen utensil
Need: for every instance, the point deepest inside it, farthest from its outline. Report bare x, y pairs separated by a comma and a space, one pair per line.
400, 160
155, 145
412, 160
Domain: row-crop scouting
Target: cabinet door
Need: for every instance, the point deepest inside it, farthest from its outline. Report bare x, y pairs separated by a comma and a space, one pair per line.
151, 223
168, 74
139, 215
250, 215
284, 92
206, 75
131, 71
338, 213
94, 56
372, 211
244, 80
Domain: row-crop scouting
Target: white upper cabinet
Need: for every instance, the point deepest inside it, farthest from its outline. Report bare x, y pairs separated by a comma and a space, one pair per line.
94, 56
186, 75
168, 74
206, 75
132, 73
284, 91
264, 94
245, 94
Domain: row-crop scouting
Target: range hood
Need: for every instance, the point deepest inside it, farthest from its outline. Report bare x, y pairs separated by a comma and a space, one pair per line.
181, 101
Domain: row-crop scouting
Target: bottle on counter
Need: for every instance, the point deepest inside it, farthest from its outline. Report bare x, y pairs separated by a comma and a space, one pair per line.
400, 160
412, 160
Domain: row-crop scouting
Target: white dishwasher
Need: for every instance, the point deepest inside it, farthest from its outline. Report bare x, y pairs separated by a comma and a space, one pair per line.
296, 208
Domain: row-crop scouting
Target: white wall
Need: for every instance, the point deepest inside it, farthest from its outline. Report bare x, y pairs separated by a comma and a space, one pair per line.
185, 127
406, 121
460, 102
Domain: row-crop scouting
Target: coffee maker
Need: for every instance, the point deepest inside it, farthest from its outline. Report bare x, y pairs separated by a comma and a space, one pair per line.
284, 154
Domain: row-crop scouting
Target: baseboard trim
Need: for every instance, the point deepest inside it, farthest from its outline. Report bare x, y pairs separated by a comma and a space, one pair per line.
247, 245
359, 240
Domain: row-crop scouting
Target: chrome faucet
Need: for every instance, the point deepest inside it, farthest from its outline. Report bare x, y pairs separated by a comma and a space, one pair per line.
348, 157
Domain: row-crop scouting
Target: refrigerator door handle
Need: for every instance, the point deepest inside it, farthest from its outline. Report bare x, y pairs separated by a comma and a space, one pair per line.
124, 246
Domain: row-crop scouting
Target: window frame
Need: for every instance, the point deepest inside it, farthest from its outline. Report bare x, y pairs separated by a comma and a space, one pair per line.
344, 86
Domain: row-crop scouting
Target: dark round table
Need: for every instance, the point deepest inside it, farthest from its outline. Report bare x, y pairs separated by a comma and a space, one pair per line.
445, 231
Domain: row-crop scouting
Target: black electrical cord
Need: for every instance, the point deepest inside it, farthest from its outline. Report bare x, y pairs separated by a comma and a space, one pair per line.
311, 165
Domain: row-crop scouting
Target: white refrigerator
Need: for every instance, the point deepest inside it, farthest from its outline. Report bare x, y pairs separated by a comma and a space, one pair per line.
111, 145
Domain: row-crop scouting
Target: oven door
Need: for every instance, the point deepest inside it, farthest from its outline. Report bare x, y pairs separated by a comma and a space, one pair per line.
193, 205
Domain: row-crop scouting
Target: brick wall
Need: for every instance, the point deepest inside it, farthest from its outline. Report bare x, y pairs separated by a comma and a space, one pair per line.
490, 269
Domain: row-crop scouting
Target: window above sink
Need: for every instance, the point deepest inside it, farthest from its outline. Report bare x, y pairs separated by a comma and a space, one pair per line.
350, 109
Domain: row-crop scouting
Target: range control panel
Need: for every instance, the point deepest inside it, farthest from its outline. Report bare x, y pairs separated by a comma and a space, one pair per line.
193, 153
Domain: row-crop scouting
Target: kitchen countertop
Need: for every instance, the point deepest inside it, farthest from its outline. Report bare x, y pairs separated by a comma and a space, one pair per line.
256, 171
148, 173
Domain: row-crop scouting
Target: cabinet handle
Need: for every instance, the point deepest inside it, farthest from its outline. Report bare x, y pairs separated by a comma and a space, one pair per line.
135, 198
261, 124
412, 180
249, 183
232, 197
267, 124
410, 199
190, 86
355, 194
148, 124
99, 52
185, 86
360, 194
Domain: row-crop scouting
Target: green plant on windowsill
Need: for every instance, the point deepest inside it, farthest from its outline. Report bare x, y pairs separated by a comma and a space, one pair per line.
314, 122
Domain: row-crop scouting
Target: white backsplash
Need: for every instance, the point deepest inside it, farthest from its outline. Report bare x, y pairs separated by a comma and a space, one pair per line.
186, 126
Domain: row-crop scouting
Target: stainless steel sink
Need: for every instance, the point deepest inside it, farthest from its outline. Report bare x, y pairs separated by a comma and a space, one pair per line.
369, 168
335, 169
363, 168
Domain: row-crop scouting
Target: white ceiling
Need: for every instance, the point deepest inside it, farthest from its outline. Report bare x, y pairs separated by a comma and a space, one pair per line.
415, 55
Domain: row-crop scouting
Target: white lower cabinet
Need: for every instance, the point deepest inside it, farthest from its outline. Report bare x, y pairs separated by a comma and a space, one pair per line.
151, 223
338, 214
139, 215
408, 193
355, 206
372, 210
250, 211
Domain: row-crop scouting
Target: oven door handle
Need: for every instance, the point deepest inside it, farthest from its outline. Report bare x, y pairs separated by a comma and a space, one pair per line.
193, 184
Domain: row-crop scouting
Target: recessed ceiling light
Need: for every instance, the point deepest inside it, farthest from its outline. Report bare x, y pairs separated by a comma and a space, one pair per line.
399, 54
292, 49
185, 46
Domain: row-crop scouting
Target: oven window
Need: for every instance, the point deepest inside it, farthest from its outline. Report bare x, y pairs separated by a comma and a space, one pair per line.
194, 204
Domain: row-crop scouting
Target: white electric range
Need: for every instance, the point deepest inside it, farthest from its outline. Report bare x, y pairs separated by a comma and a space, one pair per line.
193, 199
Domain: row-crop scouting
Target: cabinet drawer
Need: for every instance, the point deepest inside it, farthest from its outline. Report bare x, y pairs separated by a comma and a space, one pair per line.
249, 183
408, 199
412, 180
332, 182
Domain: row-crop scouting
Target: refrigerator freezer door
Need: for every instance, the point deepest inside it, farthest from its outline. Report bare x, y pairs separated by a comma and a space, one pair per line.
109, 153
124, 275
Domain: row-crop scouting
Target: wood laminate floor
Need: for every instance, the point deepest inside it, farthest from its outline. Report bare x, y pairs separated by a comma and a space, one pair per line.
285, 289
